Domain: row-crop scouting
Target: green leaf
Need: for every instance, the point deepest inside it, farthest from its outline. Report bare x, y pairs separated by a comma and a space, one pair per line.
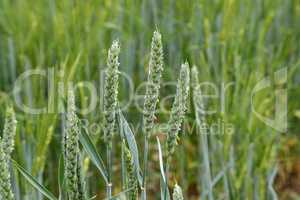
34, 182
271, 177
129, 137
164, 188
121, 195
161, 162
123, 165
90, 149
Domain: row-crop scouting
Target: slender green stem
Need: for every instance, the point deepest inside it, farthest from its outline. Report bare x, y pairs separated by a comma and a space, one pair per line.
123, 167
109, 164
167, 177
146, 150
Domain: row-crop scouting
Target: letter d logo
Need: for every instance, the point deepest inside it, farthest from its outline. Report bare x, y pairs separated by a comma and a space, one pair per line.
279, 122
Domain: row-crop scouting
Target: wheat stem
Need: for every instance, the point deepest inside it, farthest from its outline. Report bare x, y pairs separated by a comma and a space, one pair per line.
177, 113
151, 97
110, 105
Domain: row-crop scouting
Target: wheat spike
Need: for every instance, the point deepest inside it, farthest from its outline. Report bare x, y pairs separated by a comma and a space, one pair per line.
179, 108
177, 193
153, 83
5, 184
9, 132
71, 148
132, 183
111, 90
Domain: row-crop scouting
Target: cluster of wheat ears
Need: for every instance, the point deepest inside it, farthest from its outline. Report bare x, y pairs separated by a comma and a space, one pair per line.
72, 186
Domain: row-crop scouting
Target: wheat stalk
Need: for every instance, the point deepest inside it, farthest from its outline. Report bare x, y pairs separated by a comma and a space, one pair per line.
201, 119
111, 90
178, 109
71, 148
110, 104
153, 83
151, 97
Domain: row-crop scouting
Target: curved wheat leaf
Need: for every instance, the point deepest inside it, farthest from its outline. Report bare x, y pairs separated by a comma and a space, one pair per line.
34, 182
90, 149
128, 135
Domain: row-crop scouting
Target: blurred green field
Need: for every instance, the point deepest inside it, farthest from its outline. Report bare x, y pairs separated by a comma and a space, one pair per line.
239, 41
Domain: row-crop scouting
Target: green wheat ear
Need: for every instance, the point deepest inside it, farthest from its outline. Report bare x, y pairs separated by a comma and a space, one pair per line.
5, 184
198, 98
153, 84
177, 193
6, 147
9, 132
111, 90
132, 182
179, 108
71, 148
